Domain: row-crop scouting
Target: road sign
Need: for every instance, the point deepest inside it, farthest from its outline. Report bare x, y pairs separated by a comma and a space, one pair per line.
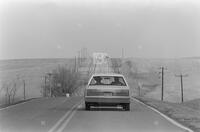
100, 58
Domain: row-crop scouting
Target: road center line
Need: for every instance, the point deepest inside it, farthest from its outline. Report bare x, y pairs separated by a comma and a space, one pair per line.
60, 121
62, 127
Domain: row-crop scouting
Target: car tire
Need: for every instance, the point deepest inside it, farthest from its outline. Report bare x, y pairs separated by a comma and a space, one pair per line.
87, 106
126, 107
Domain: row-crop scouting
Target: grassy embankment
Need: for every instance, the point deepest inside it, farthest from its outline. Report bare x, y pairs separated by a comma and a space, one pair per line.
143, 78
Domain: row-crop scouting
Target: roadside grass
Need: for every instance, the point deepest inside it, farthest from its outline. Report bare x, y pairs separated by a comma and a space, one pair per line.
145, 84
30, 70
146, 72
18, 102
33, 71
186, 113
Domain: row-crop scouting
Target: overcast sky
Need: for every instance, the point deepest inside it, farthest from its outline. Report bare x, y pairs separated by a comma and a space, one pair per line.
59, 28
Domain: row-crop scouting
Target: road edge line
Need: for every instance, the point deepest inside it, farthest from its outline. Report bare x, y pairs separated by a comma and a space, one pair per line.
173, 121
59, 122
14, 105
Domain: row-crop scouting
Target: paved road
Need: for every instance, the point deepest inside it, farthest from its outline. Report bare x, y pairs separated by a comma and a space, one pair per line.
36, 115
68, 115
55, 114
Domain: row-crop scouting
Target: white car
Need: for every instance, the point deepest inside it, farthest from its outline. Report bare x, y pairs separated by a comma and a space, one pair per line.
107, 90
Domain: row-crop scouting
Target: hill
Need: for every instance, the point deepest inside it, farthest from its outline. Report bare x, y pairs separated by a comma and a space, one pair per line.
145, 72
30, 70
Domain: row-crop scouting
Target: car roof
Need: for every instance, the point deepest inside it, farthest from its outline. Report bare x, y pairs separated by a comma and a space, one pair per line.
107, 74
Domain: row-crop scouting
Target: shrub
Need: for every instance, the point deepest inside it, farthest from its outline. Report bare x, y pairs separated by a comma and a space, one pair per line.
61, 81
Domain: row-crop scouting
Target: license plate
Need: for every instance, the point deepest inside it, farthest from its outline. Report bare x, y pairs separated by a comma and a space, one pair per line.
107, 94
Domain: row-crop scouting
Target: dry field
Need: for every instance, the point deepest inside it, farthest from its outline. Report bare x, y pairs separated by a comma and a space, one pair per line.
145, 72
30, 70
187, 113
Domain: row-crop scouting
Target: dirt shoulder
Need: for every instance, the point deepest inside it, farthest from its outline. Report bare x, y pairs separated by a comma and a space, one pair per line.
183, 113
18, 102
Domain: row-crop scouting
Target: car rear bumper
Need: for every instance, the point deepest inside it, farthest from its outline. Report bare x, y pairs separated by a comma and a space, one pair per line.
107, 100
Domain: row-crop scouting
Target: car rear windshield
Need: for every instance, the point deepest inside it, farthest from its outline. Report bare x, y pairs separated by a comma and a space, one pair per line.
108, 80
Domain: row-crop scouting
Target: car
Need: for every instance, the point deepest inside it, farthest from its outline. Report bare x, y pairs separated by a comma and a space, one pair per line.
107, 90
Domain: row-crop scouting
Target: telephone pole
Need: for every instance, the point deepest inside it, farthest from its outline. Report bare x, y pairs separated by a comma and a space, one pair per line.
50, 81
139, 88
122, 53
79, 58
181, 78
24, 89
75, 67
45, 86
162, 89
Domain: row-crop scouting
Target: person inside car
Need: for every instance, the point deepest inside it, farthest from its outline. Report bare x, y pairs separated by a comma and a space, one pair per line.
116, 81
98, 80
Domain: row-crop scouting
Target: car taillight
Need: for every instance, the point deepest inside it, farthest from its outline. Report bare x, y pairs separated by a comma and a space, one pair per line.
96, 92
93, 92
122, 93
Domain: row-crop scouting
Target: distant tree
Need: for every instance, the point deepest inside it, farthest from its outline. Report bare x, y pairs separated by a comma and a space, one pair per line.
3, 86
129, 64
63, 80
11, 89
116, 64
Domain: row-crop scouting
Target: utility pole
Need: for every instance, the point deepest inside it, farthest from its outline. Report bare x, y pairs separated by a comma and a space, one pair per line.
122, 53
75, 67
24, 89
139, 88
162, 73
45, 85
79, 56
7, 96
181, 77
50, 84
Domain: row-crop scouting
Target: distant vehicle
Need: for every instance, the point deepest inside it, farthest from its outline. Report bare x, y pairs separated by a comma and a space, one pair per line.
107, 90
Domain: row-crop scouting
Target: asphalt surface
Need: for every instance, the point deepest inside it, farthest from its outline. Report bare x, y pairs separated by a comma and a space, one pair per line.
69, 115
55, 114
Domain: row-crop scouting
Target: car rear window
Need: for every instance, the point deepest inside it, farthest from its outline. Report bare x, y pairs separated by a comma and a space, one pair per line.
108, 80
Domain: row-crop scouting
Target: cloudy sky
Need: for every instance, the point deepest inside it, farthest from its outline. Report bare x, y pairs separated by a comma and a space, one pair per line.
59, 28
